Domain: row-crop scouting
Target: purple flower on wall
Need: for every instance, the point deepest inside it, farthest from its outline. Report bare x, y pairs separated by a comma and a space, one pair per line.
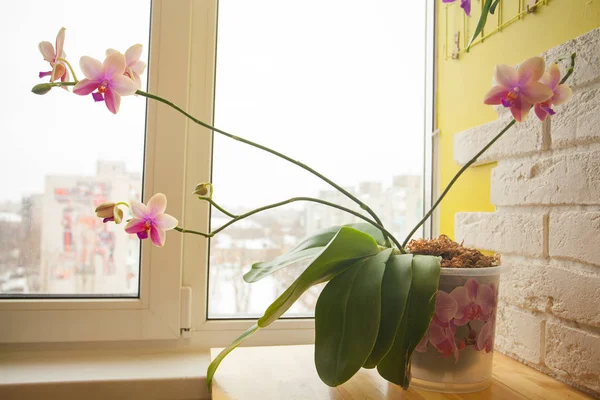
464, 4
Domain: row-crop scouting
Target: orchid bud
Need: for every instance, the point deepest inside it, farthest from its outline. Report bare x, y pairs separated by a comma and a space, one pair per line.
105, 210
117, 215
203, 189
42, 88
109, 212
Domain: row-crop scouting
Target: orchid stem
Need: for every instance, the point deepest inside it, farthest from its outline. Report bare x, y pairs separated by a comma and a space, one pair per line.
182, 230
218, 207
70, 68
289, 201
570, 69
453, 181
276, 153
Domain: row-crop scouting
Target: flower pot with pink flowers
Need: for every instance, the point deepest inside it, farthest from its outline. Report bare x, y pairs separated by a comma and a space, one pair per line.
455, 355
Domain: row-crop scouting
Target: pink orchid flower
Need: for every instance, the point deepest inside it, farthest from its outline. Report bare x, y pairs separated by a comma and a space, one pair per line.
135, 67
519, 90
151, 220
475, 302
562, 93
485, 337
59, 70
446, 308
464, 4
443, 340
107, 79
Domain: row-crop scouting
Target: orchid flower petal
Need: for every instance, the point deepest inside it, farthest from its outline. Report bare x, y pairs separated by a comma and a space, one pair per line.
157, 204
122, 85
486, 300
97, 96
138, 67
138, 209
540, 112
466, 6
552, 77
58, 71
112, 100
60, 42
461, 295
142, 234
110, 51
495, 95
562, 94
505, 75
436, 335
47, 51
520, 109
114, 65
85, 87
472, 287
484, 337
135, 225
157, 236
445, 306
133, 54
165, 221
91, 68
531, 70
536, 92
137, 80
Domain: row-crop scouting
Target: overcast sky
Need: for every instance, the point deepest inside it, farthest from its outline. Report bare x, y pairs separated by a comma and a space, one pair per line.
337, 84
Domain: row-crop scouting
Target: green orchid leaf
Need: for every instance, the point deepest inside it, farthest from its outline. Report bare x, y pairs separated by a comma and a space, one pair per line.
348, 245
212, 368
394, 295
264, 269
297, 253
347, 319
395, 366
369, 229
493, 6
308, 248
482, 20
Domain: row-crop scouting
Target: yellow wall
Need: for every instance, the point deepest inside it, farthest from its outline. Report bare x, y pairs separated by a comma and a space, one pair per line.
463, 83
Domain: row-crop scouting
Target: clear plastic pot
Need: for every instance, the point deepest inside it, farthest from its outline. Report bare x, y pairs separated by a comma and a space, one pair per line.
455, 355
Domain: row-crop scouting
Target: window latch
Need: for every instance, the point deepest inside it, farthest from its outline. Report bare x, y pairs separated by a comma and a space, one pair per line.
186, 312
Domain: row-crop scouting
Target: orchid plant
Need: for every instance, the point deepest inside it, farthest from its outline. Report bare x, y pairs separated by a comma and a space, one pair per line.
380, 300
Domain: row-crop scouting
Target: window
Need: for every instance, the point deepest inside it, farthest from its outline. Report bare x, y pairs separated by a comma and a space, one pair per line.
335, 84
58, 166
153, 312
297, 79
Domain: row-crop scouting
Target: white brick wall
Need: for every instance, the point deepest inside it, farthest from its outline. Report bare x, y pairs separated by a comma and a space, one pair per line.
547, 226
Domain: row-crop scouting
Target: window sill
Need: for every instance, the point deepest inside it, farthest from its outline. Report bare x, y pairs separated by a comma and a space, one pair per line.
131, 374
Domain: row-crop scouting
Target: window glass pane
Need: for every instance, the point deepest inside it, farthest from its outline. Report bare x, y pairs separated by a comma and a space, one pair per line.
340, 86
63, 154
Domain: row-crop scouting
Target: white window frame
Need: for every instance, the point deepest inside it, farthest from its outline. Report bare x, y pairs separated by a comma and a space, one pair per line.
178, 156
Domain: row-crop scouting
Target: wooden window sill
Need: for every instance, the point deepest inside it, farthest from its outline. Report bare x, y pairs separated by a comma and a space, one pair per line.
288, 372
